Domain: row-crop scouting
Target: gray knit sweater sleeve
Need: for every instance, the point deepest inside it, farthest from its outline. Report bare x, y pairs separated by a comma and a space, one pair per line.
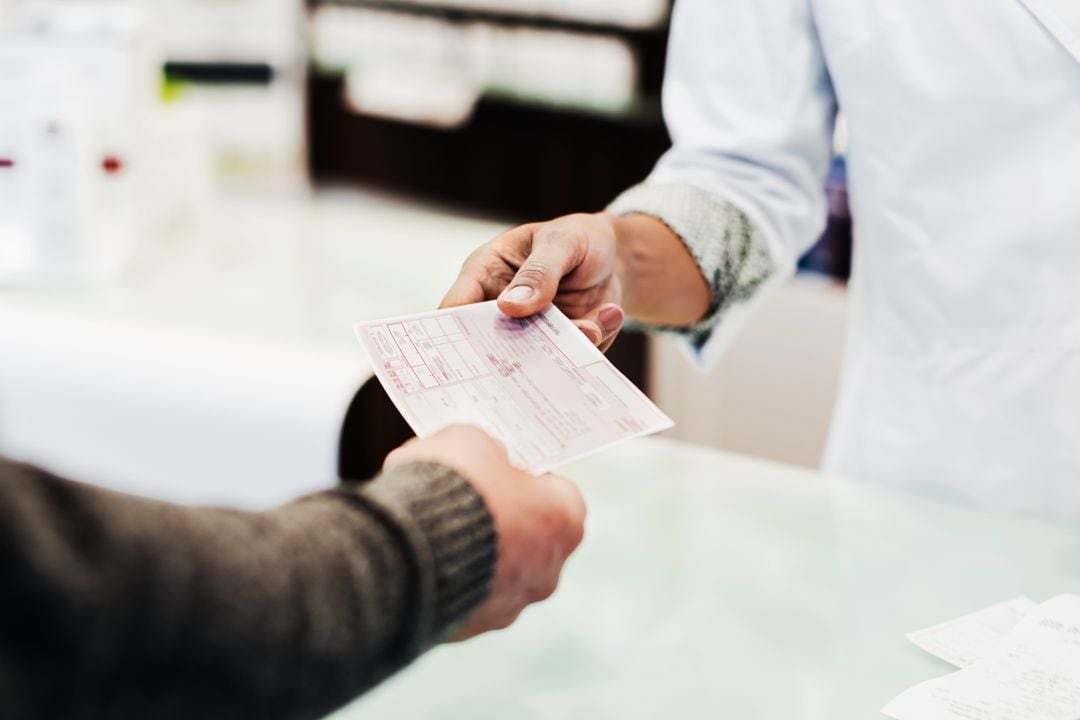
119, 607
732, 253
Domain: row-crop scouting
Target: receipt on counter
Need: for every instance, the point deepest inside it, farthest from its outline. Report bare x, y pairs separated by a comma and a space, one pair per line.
964, 640
1034, 674
536, 384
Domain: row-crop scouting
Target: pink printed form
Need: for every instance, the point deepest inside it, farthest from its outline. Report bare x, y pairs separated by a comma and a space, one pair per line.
537, 384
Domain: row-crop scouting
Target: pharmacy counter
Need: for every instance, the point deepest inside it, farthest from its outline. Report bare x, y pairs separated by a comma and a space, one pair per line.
710, 586
220, 369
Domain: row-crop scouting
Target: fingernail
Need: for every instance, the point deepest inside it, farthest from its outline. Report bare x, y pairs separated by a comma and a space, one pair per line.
519, 295
610, 318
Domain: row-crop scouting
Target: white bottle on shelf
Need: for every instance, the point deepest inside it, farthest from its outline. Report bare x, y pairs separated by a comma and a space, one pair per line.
58, 185
80, 81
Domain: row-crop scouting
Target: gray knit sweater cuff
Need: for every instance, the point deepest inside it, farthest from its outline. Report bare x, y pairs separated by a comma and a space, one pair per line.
730, 250
452, 536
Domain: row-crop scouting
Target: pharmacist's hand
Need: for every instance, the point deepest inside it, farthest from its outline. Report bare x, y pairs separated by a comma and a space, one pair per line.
539, 520
569, 261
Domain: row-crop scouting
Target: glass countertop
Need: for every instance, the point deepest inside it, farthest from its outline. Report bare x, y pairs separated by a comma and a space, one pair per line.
714, 586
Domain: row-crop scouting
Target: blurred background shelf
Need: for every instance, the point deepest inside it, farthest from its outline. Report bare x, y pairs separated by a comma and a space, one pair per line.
529, 143
648, 22
626, 16
512, 162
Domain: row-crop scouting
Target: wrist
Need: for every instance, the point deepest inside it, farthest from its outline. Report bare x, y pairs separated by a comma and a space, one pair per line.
660, 281
451, 533
622, 246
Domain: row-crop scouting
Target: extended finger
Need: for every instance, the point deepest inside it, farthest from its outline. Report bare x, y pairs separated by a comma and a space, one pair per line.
602, 325
591, 330
573, 509
466, 290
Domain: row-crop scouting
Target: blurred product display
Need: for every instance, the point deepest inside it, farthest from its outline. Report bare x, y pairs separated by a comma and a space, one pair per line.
433, 70
240, 65
512, 109
232, 31
253, 118
77, 85
120, 120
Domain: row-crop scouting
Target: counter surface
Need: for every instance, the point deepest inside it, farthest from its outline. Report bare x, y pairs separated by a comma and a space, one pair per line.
714, 586
219, 369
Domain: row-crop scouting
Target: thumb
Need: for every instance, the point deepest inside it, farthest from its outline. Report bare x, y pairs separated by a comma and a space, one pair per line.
537, 280
573, 506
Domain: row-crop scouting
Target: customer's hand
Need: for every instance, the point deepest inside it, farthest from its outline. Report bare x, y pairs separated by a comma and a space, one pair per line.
570, 261
539, 520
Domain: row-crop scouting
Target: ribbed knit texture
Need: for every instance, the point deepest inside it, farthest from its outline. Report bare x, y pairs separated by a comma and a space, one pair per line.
452, 537
731, 252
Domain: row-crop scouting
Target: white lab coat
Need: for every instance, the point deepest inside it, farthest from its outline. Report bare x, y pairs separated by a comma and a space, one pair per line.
962, 371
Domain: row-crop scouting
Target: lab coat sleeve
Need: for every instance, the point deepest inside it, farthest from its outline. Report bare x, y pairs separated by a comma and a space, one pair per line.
750, 109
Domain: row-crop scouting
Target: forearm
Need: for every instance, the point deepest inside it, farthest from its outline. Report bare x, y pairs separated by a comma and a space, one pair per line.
671, 227
120, 607
660, 280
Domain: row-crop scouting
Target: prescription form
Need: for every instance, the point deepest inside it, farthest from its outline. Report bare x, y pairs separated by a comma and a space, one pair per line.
536, 384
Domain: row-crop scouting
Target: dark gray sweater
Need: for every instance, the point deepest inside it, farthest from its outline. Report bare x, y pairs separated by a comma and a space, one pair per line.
118, 607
